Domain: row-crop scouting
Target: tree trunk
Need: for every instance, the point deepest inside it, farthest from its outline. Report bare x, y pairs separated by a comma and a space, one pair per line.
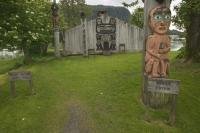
27, 55
193, 38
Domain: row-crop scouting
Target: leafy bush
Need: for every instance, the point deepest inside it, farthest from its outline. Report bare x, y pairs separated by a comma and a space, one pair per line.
25, 24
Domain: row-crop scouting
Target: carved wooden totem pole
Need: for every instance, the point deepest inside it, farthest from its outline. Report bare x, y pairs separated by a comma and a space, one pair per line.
158, 44
55, 19
156, 86
84, 27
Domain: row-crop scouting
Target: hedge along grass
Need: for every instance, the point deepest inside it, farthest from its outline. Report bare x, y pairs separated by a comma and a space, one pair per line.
107, 88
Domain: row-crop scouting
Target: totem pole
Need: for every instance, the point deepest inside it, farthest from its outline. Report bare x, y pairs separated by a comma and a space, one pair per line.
156, 84
158, 44
55, 19
84, 26
150, 31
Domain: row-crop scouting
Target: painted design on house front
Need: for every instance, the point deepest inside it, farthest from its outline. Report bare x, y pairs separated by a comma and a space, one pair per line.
106, 34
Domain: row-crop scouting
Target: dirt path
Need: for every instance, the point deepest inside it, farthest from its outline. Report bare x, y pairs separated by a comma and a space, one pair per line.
78, 121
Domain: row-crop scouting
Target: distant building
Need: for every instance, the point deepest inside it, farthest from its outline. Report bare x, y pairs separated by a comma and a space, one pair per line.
102, 33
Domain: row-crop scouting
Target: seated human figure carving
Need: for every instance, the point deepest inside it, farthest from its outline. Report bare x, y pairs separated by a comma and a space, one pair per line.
158, 44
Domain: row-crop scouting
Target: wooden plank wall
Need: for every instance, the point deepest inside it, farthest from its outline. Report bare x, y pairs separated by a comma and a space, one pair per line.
127, 34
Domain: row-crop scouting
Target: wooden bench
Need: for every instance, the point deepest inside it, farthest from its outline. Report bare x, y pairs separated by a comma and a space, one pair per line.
20, 75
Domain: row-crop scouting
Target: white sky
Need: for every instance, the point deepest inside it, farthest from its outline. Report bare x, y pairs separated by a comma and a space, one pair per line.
118, 3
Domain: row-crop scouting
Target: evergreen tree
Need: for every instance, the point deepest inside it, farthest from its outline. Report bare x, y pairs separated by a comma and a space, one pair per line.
188, 18
71, 10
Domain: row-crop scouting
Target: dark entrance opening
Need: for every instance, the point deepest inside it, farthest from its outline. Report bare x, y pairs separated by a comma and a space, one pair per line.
106, 48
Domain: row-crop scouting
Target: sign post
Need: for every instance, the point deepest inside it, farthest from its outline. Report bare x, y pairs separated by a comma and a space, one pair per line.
166, 86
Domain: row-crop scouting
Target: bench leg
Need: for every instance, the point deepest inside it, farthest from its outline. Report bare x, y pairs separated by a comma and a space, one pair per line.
12, 88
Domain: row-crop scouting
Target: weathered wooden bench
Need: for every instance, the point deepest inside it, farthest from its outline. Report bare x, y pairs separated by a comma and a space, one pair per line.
20, 75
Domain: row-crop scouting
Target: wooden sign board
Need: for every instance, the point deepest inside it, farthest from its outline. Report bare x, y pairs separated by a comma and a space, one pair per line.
162, 85
22, 75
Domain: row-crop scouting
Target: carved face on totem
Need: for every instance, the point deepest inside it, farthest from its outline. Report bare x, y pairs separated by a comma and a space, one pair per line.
160, 19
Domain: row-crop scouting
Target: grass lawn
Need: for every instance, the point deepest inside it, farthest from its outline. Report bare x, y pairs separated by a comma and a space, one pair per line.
6, 65
102, 92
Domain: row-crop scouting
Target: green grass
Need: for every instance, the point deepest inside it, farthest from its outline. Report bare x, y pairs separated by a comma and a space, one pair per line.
108, 88
7, 65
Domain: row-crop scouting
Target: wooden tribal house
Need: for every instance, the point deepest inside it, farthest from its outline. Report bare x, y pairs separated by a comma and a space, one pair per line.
103, 34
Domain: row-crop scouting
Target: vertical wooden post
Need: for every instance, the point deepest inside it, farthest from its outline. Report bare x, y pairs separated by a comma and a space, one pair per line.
172, 115
148, 5
86, 41
57, 42
55, 18
84, 31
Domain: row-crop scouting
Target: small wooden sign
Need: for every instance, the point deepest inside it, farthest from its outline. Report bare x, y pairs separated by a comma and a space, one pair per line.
162, 85
20, 75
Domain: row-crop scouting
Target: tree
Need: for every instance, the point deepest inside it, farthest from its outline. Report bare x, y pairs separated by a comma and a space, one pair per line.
188, 18
71, 11
26, 23
137, 18
132, 4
